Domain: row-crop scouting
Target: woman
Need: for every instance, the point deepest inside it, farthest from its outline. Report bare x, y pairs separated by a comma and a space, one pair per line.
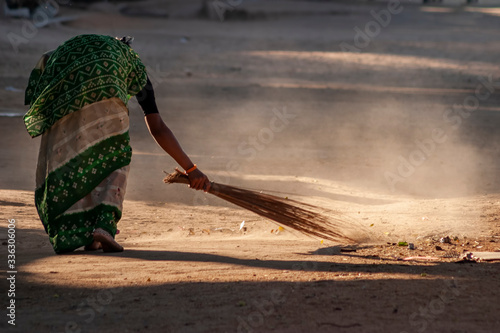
78, 95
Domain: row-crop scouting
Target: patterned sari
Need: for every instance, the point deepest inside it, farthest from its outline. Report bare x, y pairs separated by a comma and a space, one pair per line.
77, 96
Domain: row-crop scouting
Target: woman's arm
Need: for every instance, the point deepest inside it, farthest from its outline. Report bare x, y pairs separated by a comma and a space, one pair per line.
167, 140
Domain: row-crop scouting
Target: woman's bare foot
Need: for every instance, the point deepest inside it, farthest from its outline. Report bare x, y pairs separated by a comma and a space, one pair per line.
107, 241
94, 246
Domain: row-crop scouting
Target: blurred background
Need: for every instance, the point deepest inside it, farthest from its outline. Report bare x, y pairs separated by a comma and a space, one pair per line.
382, 99
385, 112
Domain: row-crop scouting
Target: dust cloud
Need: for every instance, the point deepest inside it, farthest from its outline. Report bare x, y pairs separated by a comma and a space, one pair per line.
276, 105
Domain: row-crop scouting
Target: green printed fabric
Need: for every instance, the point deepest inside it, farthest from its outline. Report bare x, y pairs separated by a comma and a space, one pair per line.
79, 176
83, 70
74, 180
77, 96
71, 231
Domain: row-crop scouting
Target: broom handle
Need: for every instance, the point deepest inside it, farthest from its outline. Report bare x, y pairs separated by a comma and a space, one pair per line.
183, 179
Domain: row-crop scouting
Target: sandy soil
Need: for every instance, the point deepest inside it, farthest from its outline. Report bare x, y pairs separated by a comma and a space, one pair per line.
370, 134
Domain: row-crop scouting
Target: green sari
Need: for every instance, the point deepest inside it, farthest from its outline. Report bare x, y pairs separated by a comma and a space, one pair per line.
77, 96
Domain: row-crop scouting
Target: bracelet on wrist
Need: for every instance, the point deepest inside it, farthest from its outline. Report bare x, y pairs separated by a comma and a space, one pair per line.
194, 167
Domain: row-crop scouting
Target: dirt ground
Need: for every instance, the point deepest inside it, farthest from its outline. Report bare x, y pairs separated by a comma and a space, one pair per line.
401, 137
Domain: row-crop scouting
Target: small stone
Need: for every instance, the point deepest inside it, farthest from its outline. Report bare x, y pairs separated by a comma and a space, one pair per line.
445, 240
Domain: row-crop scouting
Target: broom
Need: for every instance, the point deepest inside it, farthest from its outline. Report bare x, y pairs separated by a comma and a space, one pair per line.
299, 216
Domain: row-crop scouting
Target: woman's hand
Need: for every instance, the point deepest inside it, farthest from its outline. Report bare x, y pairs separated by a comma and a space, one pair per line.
198, 180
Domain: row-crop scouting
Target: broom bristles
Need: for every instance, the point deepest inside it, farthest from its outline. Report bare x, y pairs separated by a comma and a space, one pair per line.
296, 215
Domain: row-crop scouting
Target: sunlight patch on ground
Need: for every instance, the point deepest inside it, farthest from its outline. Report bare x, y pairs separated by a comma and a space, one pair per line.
487, 11
300, 84
437, 9
378, 61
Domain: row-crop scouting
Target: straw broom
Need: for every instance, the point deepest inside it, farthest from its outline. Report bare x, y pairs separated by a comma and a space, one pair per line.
296, 215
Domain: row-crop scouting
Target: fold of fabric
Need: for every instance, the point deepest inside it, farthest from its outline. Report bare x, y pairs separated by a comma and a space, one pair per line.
82, 173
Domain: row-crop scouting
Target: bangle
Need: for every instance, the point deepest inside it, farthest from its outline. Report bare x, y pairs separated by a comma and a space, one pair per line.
192, 169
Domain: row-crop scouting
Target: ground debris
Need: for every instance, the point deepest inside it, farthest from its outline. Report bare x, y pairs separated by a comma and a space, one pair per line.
445, 240
482, 256
451, 254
